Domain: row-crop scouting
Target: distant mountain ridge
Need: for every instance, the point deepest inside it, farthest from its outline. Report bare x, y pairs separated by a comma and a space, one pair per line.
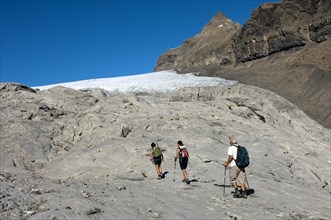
283, 47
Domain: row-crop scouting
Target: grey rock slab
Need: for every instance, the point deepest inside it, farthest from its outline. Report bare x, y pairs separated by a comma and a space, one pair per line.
77, 165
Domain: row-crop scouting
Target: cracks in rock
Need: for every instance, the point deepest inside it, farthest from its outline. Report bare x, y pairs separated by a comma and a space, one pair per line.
261, 117
324, 183
315, 174
240, 103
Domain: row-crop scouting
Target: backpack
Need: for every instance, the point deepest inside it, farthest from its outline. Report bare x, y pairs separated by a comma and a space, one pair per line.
242, 160
184, 153
157, 151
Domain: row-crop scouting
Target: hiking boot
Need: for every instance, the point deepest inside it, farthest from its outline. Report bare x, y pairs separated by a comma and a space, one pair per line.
243, 195
184, 181
159, 177
236, 194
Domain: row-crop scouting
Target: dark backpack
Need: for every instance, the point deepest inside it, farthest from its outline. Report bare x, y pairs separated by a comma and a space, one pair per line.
242, 160
157, 151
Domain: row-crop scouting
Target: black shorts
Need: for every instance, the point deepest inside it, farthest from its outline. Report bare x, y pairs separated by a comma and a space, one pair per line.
183, 163
157, 160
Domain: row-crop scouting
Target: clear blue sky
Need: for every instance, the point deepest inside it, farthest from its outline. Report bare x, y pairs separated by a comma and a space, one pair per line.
47, 42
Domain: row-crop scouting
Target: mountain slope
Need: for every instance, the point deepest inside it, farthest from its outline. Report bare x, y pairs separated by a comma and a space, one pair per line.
284, 47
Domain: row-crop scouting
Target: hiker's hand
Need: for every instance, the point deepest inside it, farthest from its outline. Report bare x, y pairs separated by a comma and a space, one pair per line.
225, 164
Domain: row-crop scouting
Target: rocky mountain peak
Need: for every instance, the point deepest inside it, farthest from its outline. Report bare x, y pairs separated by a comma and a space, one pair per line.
211, 46
217, 25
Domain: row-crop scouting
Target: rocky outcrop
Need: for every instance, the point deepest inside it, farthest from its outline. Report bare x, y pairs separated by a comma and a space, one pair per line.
284, 47
276, 27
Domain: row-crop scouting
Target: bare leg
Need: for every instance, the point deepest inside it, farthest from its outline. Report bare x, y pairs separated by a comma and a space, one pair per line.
185, 174
243, 186
157, 167
236, 190
234, 184
160, 170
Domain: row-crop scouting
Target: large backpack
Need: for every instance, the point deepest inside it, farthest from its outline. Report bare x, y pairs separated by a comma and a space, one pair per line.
157, 151
242, 160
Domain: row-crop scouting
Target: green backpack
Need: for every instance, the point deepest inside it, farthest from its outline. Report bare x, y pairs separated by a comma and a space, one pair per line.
157, 151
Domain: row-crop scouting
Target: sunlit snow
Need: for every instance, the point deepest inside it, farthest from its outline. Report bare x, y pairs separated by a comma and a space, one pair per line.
158, 82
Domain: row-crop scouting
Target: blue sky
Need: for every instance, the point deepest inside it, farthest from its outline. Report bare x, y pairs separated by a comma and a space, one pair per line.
47, 42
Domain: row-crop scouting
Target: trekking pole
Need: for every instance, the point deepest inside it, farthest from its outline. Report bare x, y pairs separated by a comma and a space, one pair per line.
174, 171
249, 189
224, 182
191, 170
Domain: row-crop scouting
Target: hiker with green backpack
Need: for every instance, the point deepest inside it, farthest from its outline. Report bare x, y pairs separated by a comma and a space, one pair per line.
238, 159
156, 157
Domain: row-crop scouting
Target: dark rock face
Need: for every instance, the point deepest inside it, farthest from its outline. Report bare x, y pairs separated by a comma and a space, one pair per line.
282, 26
283, 47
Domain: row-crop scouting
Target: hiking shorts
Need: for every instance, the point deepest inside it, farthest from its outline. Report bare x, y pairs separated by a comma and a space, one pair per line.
157, 161
183, 163
237, 173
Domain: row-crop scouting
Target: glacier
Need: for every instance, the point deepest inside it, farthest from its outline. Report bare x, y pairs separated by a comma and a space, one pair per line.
154, 82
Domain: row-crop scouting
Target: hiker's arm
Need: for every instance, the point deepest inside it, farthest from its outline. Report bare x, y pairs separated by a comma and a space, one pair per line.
230, 158
177, 155
151, 154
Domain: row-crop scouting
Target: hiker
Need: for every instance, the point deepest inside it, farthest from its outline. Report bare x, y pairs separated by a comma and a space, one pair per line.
156, 157
235, 173
182, 154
